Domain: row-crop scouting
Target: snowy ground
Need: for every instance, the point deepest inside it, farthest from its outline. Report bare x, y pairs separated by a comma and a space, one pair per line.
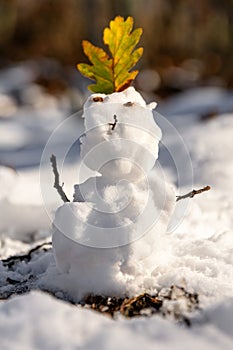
197, 254
38, 321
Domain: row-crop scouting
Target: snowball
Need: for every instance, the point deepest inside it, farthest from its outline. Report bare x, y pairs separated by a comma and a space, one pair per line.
128, 149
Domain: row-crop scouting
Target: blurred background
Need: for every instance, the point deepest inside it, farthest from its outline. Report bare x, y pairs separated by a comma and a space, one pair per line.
186, 42
186, 67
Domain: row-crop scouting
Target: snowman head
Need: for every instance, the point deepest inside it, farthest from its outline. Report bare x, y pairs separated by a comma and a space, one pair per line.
121, 137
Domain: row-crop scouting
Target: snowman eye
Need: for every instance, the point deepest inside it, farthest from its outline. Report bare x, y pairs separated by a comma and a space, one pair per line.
128, 104
97, 99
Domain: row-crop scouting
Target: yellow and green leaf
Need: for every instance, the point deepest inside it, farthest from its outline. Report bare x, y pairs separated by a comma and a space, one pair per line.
113, 73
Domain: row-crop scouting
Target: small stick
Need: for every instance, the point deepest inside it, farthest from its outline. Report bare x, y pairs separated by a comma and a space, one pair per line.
193, 193
57, 185
113, 125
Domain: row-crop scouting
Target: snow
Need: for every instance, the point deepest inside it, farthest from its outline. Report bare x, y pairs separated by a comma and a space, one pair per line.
127, 209
198, 100
136, 135
38, 321
196, 253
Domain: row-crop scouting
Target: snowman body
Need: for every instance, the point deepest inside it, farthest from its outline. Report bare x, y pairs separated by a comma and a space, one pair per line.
110, 234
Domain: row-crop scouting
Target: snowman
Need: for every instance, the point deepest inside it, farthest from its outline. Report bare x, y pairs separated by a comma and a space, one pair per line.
107, 241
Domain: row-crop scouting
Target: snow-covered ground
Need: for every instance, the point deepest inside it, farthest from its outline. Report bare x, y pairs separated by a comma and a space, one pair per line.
197, 253
38, 321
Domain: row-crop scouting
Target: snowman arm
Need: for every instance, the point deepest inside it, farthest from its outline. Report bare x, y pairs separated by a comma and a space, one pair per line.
57, 185
193, 193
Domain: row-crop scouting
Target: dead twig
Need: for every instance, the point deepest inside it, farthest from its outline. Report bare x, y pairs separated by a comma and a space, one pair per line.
57, 185
113, 125
193, 193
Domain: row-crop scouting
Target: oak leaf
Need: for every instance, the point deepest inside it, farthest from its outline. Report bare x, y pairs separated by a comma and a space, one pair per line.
113, 73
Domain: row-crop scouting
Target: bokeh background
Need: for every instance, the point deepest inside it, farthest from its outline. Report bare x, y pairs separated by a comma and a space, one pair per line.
186, 42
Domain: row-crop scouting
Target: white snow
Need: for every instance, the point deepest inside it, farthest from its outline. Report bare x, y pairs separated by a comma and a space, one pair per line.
198, 254
115, 153
38, 321
115, 229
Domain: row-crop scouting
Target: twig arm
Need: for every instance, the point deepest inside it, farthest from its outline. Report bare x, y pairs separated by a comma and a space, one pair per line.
193, 193
57, 185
